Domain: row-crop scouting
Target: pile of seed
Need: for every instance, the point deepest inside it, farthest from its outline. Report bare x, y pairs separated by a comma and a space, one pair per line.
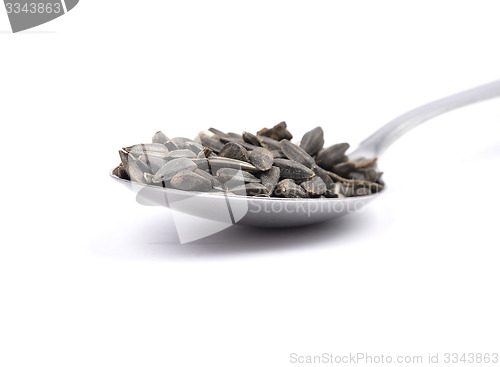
267, 164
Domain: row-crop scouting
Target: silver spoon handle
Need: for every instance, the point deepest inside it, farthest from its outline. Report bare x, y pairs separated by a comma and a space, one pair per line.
380, 140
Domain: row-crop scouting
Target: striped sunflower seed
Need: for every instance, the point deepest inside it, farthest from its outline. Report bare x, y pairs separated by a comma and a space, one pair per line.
261, 158
296, 153
312, 142
293, 170
190, 181
173, 167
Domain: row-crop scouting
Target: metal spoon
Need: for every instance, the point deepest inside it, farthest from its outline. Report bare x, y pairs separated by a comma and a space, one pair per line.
271, 212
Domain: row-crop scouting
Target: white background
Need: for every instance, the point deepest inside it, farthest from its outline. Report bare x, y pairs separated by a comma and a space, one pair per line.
88, 277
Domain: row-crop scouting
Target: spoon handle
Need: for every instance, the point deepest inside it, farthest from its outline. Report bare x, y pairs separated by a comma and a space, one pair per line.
380, 140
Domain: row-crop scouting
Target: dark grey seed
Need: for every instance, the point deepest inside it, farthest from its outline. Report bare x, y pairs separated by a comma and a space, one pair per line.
235, 136
205, 153
270, 178
277, 132
255, 189
251, 139
160, 138
208, 176
374, 187
278, 154
156, 150
190, 181
194, 147
216, 163
212, 143
235, 151
269, 143
261, 158
371, 174
312, 142
181, 153
124, 158
320, 172
343, 169
289, 189
244, 144
152, 162
170, 145
314, 186
136, 170
121, 172
329, 157
219, 133
295, 153
173, 167
293, 170
181, 143
357, 175
248, 189
226, 174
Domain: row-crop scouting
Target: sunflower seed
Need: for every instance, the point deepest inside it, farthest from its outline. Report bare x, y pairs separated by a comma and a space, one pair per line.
181, 153
153, 163
249, 189
289, 189
277, 132
270, 178
343, 169
124, 158
212, 143
255, 189
235, 136
314, 186
190, 181
156, 150
269, 143
278, 154
226, 174
235, 151
261, 158
251, 139
170, 145
293, 170
328, 157
219, 133
136, 169
173, 167
205, 153
320, 172
313, 141
194, 147
208, 176
295, 153
181, 143
160, 138
121, 172
217, 163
